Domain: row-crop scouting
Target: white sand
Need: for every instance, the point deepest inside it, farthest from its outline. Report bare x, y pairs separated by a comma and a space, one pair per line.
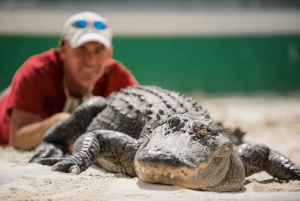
274, 121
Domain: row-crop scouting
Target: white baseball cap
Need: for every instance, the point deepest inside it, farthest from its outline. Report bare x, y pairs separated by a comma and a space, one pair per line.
86, 27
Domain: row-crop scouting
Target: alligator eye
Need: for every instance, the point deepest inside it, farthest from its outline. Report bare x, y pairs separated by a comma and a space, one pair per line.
201, 129
174, 121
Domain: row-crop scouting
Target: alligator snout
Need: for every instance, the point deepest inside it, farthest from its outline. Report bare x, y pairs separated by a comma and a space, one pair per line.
156, 167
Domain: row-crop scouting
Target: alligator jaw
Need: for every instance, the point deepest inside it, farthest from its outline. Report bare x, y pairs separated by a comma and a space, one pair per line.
163, 175
180, 160
204, 177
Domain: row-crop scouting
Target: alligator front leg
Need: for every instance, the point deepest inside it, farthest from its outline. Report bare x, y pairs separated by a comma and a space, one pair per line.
115, 149
64, 133
258, 157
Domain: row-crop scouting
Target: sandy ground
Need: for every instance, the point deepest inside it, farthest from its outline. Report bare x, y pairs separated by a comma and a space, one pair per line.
272, 120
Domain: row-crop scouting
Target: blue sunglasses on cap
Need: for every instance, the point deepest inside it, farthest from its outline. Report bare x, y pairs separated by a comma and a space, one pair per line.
82, 24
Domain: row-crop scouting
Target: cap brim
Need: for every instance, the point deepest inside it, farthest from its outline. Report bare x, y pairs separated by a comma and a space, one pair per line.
90, 37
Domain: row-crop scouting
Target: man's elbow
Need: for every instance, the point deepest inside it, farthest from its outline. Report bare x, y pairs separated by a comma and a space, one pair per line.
14, 143
17, 144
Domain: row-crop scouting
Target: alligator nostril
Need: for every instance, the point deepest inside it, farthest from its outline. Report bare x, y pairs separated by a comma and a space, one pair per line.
184, 173
225, 150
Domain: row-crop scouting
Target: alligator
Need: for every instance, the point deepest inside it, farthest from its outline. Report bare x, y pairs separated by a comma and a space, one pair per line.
160, 136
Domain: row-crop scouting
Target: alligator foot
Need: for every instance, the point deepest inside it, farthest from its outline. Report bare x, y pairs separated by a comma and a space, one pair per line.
281, 167
73, 164
258, 157
236, 136
86, 151
46, 150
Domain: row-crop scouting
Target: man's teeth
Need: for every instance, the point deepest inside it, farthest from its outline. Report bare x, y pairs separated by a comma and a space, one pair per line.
88, 70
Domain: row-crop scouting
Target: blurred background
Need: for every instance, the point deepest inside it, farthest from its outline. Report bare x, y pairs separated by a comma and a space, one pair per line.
220, 46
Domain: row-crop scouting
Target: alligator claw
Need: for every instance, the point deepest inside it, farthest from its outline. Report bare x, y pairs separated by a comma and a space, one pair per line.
54, 167
46, 150
60, 164
64, 166
73, 164
75, 169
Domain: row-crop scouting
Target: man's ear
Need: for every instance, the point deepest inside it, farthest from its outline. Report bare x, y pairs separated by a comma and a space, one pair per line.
62, 49
111, 49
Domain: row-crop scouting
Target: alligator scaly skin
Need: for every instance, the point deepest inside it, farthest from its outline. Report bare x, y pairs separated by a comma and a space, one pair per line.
161, 137
129, 110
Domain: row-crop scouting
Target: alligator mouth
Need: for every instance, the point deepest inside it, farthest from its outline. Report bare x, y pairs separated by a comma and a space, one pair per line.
164, 175
203, 177
153, 166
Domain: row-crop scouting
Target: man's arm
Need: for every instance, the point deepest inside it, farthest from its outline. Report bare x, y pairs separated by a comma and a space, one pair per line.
27, 129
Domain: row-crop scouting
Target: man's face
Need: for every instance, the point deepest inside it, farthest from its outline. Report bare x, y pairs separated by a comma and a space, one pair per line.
86, 64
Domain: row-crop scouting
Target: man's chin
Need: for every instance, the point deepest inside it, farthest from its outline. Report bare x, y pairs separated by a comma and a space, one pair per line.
87, 83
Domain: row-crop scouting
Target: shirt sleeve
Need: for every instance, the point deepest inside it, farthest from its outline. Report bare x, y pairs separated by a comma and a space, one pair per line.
27, 89
125, 77
119, 78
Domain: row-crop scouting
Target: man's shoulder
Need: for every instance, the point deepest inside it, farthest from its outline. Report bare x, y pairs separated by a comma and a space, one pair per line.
116, 65
117, 70
45, 64
46, 60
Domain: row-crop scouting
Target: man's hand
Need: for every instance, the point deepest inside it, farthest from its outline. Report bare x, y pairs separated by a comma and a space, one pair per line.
27, 129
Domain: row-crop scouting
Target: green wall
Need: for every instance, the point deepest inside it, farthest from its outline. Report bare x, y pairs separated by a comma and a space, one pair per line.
211, 64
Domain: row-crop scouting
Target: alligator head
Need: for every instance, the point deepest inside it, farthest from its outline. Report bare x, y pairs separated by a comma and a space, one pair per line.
188, 151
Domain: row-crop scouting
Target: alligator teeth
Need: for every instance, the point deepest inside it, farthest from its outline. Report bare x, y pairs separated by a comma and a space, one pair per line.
142, 170
138, 169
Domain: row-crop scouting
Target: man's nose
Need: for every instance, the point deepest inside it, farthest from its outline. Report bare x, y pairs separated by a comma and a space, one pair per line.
90, 59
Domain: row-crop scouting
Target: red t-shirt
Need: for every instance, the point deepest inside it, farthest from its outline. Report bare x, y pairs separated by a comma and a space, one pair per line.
37, 87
